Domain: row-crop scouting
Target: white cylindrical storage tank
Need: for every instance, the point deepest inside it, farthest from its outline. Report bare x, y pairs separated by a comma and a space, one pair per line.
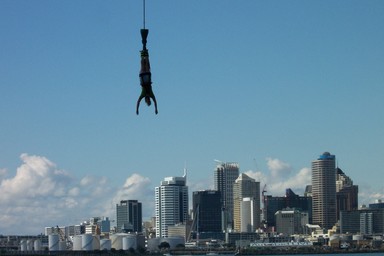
37, 245
174, 241
23, 245
96, 242
53, 242
117, 241
86, 242
62, 246
105, 244
29, 245
77, 240
129, 242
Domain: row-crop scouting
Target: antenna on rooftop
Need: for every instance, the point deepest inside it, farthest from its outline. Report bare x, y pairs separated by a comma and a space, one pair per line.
185, 170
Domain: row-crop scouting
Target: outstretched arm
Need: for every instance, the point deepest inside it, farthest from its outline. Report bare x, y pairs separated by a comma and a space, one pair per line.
154, 100
152, 95
138, 104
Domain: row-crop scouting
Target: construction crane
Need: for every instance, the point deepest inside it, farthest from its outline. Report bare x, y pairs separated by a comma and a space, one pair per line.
64, 238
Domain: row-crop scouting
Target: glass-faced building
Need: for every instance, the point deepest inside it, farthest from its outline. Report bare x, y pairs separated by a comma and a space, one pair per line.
129, 217
206, 211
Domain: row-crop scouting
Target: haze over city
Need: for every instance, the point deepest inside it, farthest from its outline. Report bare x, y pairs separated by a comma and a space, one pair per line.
270, 85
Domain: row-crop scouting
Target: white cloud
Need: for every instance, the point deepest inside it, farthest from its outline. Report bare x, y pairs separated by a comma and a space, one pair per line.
35, 177
258, 176
87, 180
368, 195
280, 177
74, 191
71, 202
137, 187
278, 169
297, 183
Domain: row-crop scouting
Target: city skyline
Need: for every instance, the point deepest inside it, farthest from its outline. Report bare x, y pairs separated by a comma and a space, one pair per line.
135, 188
266, 84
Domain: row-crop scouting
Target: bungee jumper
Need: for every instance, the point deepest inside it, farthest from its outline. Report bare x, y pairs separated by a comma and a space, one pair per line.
145, 72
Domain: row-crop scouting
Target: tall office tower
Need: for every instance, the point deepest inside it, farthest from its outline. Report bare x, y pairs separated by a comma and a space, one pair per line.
129, 216
171, 199
225, 175
342, 180
346, 193
290, 200
206, 211
246, 187
324, 191
248, 222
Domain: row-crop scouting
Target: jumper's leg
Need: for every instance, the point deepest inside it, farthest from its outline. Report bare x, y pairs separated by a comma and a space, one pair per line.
144, 34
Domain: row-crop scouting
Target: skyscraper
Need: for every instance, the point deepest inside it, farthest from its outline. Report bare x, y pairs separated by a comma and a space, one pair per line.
324, 191
246, 187
247, 212
225, 175
207, 211
129, 216
171, 199
346, 193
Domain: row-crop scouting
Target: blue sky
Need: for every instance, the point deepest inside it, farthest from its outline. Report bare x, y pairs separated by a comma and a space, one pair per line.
268, 84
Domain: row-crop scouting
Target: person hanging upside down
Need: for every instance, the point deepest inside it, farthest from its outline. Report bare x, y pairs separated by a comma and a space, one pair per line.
145, 79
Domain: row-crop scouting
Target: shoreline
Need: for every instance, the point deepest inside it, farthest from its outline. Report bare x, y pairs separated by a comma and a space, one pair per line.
279, 251
217, 252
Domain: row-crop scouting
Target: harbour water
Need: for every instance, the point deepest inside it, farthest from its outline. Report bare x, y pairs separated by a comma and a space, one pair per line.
332, 254
328, 254
97, 253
